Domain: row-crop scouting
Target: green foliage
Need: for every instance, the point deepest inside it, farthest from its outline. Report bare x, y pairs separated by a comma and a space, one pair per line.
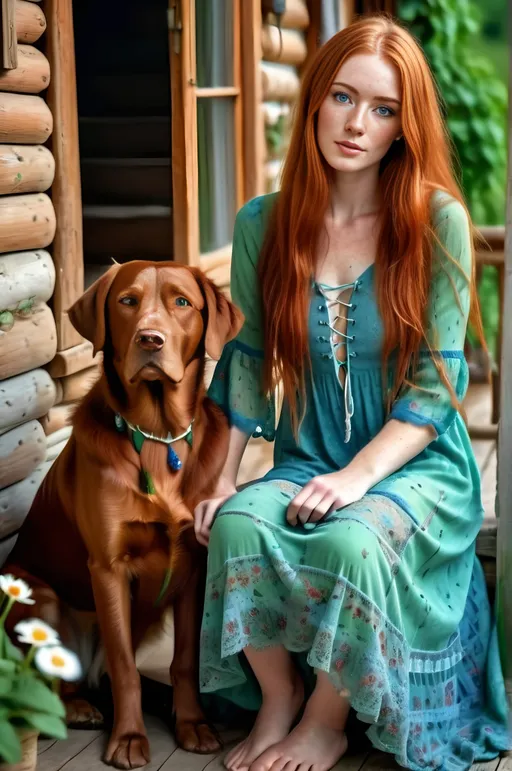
475, 99
27, 702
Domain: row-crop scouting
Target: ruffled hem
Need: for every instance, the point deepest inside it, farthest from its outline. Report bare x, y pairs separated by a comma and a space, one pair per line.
237, 389
426, 708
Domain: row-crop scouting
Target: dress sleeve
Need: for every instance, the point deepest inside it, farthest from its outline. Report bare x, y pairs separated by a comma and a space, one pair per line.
428, 401
237, 384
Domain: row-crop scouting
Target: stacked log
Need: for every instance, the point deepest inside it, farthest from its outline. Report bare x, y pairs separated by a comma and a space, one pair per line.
284, 52
28, 335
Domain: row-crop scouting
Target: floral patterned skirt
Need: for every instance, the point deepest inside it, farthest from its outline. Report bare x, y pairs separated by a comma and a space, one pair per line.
396, 615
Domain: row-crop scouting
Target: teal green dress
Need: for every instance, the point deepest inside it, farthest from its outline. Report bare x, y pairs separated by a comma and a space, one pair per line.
385, 595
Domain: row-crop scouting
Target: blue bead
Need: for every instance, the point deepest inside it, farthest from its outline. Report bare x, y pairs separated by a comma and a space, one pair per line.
173, 460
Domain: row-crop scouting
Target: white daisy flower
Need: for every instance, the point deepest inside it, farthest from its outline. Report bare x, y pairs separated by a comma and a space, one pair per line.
16, 589
56, 661
36, 632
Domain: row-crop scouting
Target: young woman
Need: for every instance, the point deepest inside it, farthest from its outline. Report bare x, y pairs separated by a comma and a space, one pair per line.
354, 557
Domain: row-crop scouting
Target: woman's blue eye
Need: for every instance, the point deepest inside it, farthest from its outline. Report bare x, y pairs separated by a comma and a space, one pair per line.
131, 301
341, 97
182, 302
387, 111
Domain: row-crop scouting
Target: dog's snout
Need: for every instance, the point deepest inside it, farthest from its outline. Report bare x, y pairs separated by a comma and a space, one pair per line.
150, 340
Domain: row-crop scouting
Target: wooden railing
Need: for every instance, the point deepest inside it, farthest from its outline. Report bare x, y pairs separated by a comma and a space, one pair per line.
493, 253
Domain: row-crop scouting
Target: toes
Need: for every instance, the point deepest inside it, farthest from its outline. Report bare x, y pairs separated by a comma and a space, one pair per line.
197, 737
129, 752
265, 761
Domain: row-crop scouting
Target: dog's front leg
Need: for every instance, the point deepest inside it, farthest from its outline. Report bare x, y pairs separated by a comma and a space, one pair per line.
193, 733
128, 746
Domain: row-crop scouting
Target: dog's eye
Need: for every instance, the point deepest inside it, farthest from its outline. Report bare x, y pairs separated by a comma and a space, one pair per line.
128, 301
182, 302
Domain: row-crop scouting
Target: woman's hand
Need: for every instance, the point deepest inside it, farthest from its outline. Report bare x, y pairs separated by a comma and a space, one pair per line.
205, 512
325, 494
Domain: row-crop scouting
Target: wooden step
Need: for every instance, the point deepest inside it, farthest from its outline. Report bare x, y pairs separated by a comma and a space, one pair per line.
127, 233
124, 137
126, 181
125, 94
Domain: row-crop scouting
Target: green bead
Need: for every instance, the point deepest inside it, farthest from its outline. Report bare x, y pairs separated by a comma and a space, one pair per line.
189, 437
138, 440
146, 482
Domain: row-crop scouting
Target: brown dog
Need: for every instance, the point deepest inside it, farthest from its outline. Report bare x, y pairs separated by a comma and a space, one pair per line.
111, 527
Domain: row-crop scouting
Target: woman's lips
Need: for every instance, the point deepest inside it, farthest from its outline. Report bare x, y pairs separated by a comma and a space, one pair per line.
350, 149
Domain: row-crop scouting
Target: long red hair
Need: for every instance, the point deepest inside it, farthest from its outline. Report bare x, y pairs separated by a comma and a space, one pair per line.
412, 169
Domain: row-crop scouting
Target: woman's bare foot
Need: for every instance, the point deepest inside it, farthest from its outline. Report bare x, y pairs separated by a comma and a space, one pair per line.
311, 744
275, 718
319, 741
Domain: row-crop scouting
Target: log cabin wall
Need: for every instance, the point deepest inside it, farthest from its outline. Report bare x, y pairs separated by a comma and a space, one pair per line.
28, 333
284, 53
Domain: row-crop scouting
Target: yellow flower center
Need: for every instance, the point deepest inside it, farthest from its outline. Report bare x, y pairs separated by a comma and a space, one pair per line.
58, 661
39, 635
14, 591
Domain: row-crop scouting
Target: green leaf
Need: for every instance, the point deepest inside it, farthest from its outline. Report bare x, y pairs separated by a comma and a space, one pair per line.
10, 747
6, 321
11, 651
49, 725
5, 684
29, 691
6, 667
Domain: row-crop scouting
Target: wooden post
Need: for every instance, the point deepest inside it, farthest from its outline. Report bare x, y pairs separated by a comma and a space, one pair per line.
67, 248
9, 43
254, 131
504, 502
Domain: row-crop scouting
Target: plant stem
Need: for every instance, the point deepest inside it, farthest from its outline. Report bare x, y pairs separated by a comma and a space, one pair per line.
5, 612
29, 657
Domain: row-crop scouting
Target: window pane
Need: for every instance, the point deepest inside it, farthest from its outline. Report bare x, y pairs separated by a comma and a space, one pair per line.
214, 43
217, 179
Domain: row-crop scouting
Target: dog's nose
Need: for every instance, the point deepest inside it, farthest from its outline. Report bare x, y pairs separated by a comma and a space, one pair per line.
150, 340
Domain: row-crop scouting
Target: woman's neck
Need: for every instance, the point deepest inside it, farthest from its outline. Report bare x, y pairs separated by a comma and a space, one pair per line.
354, 195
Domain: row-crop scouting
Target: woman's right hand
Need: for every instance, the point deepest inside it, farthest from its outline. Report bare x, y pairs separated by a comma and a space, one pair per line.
205, 512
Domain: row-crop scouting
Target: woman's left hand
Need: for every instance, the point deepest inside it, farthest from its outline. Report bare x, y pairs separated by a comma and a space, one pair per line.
325, 494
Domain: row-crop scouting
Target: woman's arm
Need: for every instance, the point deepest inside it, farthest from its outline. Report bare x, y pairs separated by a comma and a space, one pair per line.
395, 445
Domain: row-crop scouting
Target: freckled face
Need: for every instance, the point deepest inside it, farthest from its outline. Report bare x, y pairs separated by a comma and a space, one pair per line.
360, 117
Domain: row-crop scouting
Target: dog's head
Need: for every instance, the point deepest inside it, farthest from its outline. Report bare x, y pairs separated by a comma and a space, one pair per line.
154, 316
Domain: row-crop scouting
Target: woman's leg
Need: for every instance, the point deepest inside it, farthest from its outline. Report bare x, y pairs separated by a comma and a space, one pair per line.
283, 694
318, 741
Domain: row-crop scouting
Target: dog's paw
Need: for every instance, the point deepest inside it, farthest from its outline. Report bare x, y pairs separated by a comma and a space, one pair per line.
197, 736
127, 751
81, 714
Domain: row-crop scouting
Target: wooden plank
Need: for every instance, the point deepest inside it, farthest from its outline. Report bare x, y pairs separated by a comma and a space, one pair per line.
62, 752
296, 15
280, 83
44, 744
58, 417
504, 556
252, 97
26, 222
31, 76
67, 247
162, 744
25, 119
30, 22
238, 107
490, 765
73, 360
211, 92
126, 137
74, 387
9, 45
25, 169
128, 233
31, 343
185, 181
505, 762
126, 181
352, 761
379, 761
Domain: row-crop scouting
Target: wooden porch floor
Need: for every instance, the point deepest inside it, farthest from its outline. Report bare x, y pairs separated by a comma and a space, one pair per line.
82, 751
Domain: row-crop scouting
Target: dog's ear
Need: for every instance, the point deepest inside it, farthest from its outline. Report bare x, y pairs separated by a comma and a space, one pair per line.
88, 314
224, 319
